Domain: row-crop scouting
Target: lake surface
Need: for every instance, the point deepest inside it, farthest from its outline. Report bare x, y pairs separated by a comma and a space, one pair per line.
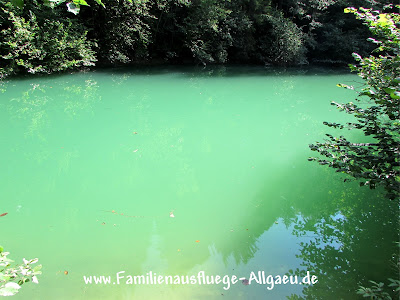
175, 171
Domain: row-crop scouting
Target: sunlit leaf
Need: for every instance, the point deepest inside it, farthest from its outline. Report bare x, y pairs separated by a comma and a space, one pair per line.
101, 3
80, 2
10, 289
395, 95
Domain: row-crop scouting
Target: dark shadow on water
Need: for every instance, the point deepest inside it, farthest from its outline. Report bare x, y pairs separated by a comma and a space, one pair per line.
229, 70
353, 234
347, 234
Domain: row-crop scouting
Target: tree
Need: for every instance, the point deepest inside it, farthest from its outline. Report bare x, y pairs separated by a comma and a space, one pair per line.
124, 34
73, 6
40, 40
377, 162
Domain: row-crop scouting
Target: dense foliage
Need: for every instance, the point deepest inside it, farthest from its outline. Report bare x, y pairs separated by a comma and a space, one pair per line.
376, 162
47, 36
41, 41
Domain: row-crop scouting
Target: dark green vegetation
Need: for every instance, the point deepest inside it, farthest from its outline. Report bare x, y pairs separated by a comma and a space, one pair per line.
374, 162
353, 243
46, 36
377, 161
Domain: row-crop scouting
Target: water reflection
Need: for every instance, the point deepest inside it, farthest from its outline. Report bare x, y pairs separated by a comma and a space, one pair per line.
226, 152
33, 99
35, 106
352, 240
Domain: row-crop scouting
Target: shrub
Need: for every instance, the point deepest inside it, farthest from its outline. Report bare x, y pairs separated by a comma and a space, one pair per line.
376, 163
46, 44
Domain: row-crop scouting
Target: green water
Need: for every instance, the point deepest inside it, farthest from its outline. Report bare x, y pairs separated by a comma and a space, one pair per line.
94, 166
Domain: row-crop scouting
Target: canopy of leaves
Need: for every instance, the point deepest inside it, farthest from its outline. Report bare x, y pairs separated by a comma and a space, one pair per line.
115, 32
376, 163
41, 41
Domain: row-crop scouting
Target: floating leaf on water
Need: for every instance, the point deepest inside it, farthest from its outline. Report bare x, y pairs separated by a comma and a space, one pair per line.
245, 282
197, 241
3, 214
66, 272
171, 214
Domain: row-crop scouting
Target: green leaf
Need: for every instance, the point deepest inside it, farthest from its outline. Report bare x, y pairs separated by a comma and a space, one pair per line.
389, 90
80, 2
395, 95
348, 10
345, 86
384, 21
101, 3
357, 56
4, 278
37, 268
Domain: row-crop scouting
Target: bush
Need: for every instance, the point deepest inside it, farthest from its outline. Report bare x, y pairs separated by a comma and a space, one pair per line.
124, 33
46, 44
376, 163
207, 32
286, 42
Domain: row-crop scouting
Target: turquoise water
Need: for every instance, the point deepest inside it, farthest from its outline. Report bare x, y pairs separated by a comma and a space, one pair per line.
180, 170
